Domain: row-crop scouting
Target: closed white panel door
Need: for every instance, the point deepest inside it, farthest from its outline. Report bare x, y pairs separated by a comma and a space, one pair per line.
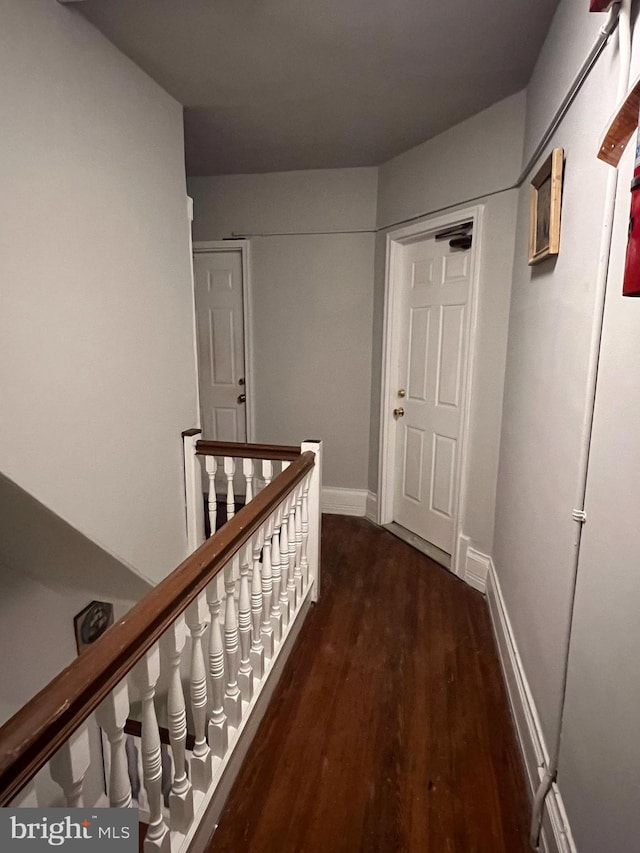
435, 287
220, 331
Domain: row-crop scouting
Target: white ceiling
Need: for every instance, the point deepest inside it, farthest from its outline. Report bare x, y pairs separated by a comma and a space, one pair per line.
272, 85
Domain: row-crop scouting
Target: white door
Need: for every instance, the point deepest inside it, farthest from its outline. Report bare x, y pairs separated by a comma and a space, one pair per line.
220, 333
435, 288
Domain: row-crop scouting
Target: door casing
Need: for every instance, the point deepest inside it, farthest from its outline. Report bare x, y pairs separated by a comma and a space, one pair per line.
243, 247
391, 343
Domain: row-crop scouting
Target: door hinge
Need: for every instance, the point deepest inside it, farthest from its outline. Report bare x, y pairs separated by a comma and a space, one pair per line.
579, 515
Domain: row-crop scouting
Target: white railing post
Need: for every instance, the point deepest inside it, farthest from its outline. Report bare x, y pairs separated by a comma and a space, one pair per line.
266, 629
284, 564
112, 717
315, 517
229, 465
194, 498
201, 767
245, 671
248, 467
211, 465
257, 649
146, 674
69, 766
276, 577
298, 575
218, 731
291, 582
181, 796
233, 696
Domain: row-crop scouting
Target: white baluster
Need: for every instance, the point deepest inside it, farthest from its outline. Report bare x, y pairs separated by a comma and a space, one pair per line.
233, 697
266, 630
284, 563
69, 766
201, 767
304, 561
245, 672
181, 796
298, 576
276, 572
257, 649
291, 581
267, 471
112, 717
211, 465
248, 470
146, 673
218, 730
315, 516
229, 471
193, 487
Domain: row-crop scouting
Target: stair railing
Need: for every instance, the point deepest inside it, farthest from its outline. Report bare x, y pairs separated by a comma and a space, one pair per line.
228, 615
223, 475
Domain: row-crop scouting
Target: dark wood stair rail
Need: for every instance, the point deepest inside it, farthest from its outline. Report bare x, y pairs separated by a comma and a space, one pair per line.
45, 723
284, 452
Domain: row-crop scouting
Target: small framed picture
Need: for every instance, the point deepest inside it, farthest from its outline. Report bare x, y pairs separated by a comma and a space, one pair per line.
91, 623
544, 209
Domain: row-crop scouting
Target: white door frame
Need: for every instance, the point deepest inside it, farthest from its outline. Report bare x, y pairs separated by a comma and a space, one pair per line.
204, 246
391, 342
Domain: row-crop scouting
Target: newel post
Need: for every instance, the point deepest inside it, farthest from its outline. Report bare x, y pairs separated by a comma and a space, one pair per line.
313, 516
194, 499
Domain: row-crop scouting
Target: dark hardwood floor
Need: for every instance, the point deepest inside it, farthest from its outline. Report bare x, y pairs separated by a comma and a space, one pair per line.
390, 729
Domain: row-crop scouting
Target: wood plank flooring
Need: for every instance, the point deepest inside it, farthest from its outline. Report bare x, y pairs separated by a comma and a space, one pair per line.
390, 729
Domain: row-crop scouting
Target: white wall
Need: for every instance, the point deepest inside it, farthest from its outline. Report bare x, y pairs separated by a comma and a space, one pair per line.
96, 355
545, 392
545, 387
285, 202
312, 303
600, 753
478, 157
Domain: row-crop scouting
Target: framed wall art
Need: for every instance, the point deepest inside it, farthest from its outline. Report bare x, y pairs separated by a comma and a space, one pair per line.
91, 623
544, 208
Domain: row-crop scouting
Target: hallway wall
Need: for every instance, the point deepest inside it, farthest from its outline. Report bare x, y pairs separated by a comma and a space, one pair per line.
544, 406
97, 375
311, 282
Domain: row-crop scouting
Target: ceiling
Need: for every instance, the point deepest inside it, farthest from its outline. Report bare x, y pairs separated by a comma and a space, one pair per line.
272, 85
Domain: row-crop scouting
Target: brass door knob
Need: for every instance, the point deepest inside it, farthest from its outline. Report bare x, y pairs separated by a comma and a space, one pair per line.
242, 398
399, 413
402, 393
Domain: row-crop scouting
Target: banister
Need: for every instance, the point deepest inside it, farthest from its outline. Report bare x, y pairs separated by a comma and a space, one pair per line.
39, 729
283, 452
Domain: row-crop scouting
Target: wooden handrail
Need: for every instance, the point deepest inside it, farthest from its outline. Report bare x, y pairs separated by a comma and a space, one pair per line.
285, 452
42, 726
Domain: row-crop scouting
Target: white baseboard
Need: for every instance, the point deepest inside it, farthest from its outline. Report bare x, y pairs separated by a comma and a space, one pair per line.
339, 501
556, 835
476, 568
371, 507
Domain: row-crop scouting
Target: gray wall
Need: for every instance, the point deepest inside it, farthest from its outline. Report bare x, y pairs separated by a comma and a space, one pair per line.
97, 374
600, 754
312, 303
545, 386
550, 328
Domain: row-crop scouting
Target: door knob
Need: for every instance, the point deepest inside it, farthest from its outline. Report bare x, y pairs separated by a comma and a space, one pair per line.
241, 380
402, 393
398, 413
242, 398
